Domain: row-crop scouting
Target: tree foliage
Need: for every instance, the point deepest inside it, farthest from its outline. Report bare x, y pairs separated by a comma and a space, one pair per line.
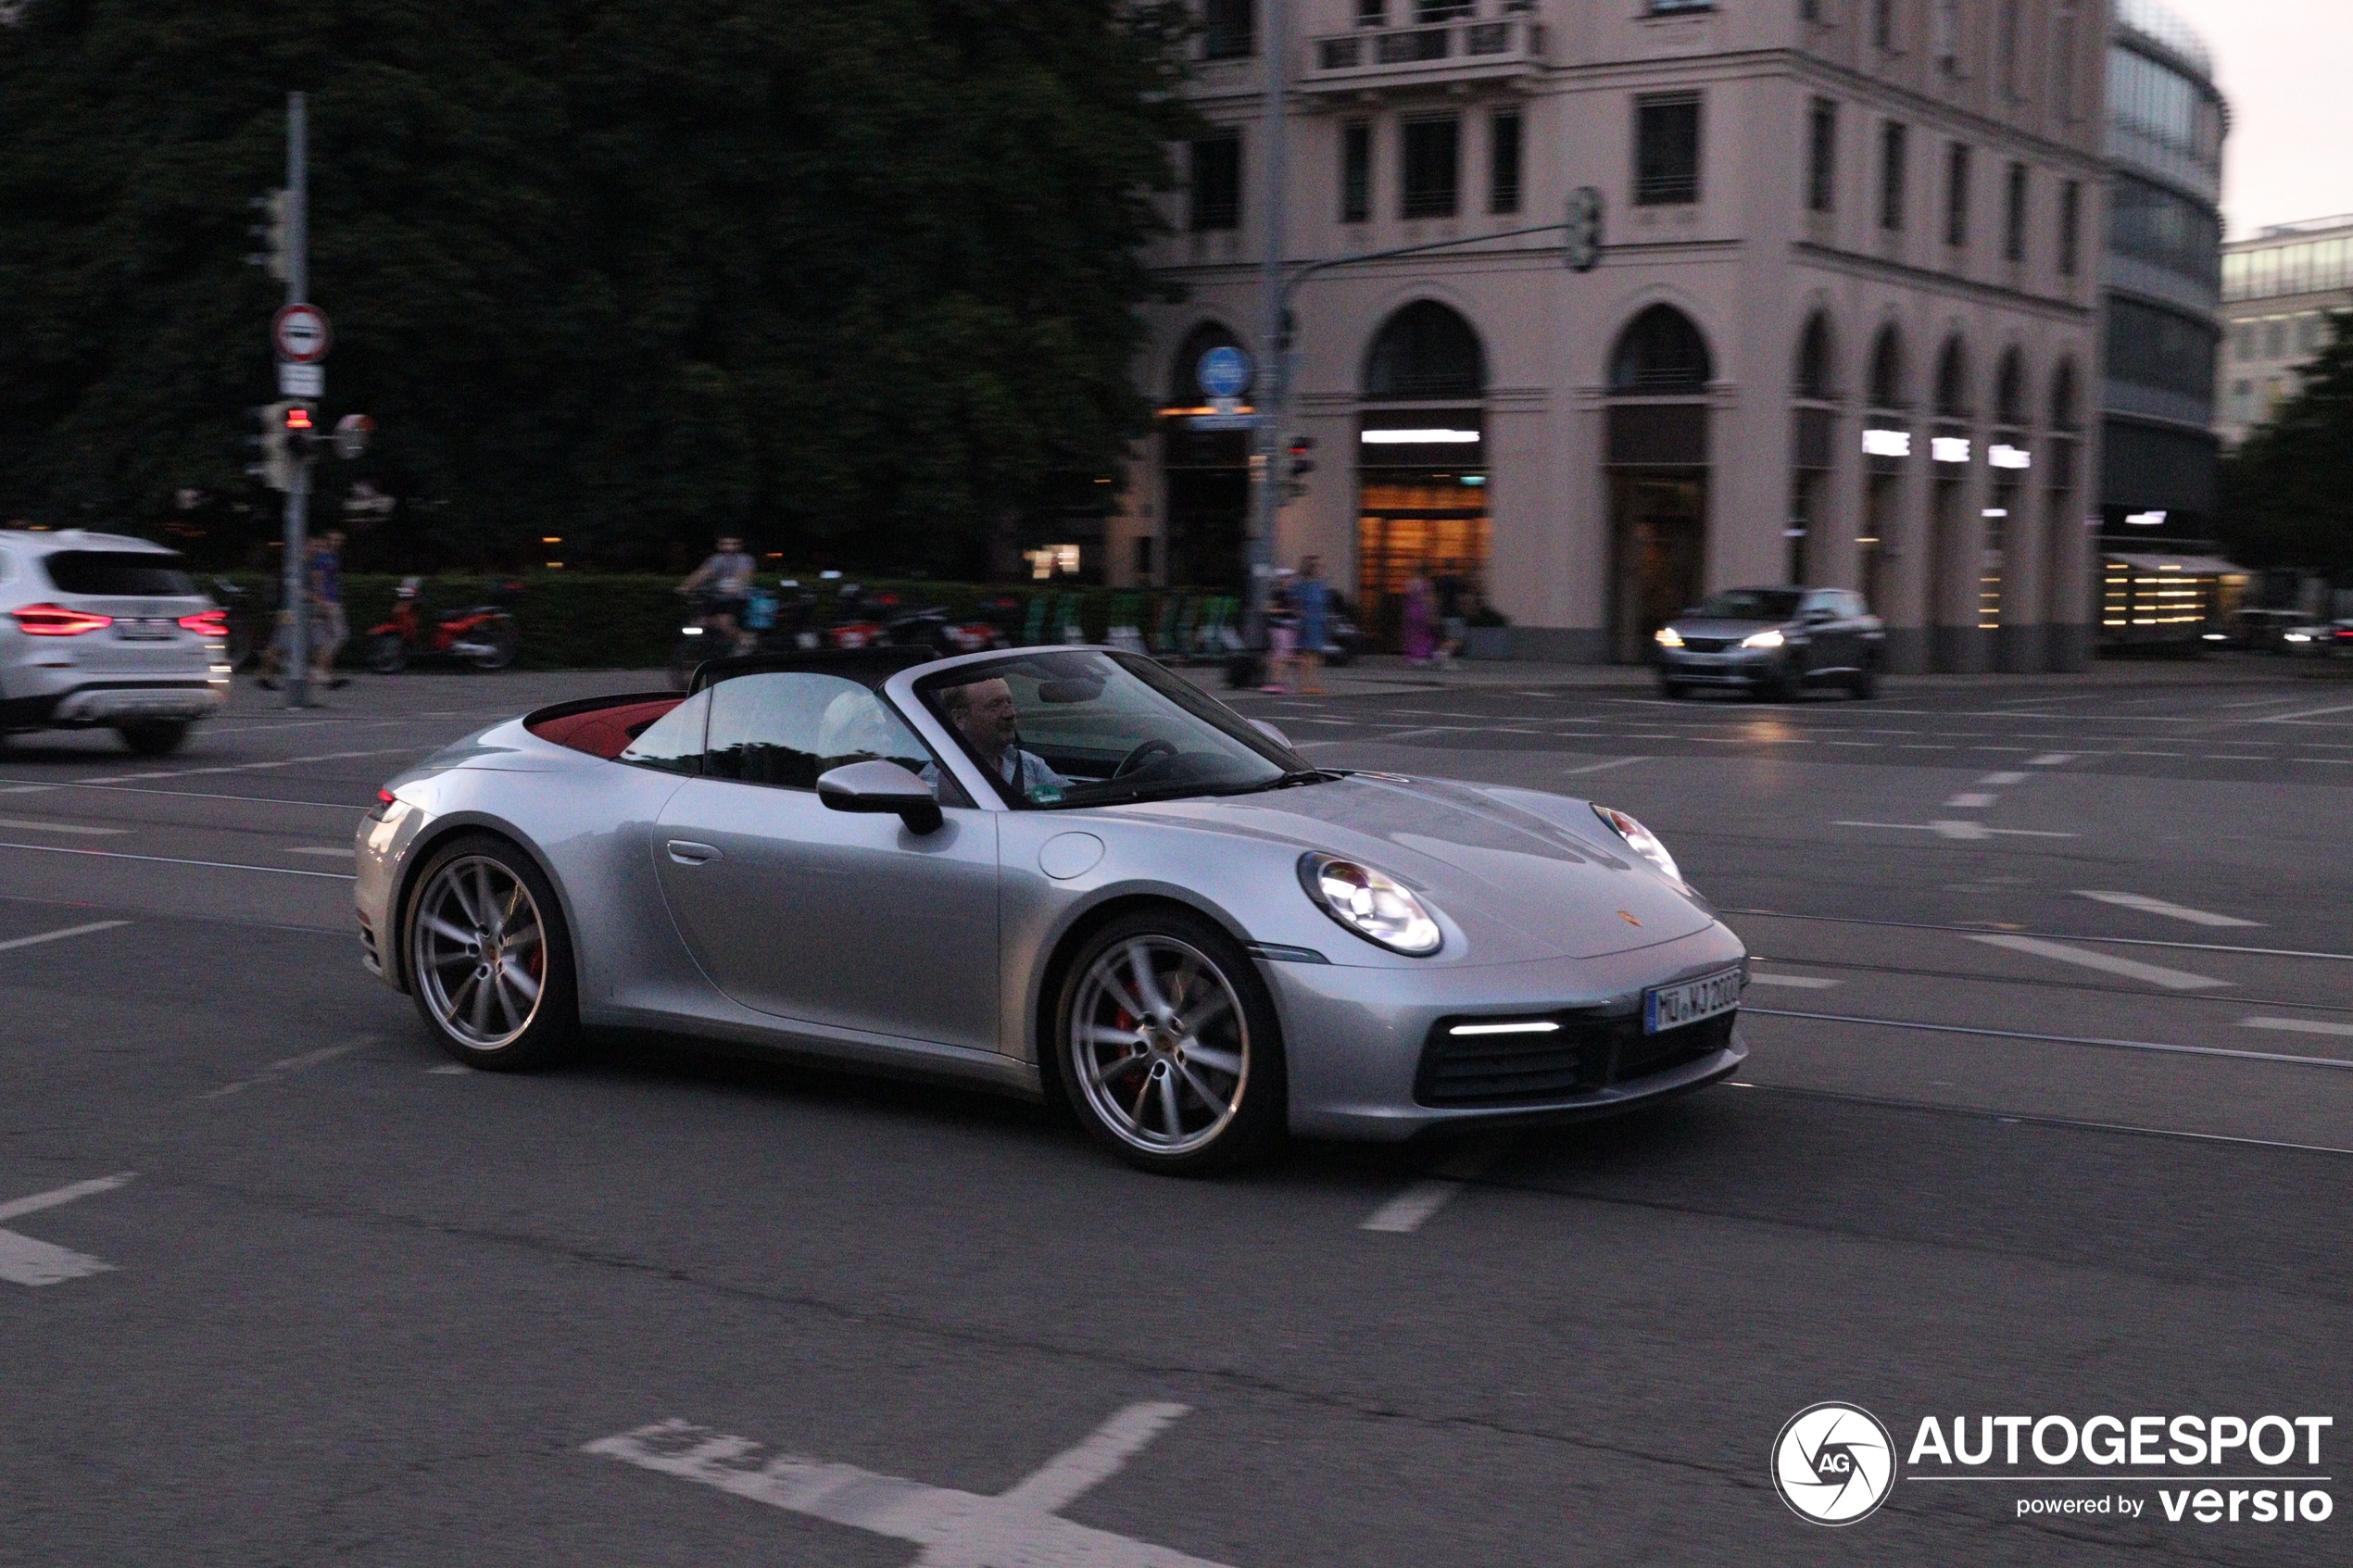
2287, 492
860, 277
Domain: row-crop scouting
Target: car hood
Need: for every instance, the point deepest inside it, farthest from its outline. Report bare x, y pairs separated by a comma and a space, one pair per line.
1709, 626
1523, 875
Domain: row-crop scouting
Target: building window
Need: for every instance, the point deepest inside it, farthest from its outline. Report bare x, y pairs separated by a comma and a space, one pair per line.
1667, 151
1502, 161
1809, 10
1427, 11
2063, 53
2014, 216
2070, 225
1821, 156
1216, 181
2010, 50
1432, 180
1372, 13
2159, 348
1883, 24
1355, 172
1229, 29
1944, 36
1956, 193
1894, 143
2152, 224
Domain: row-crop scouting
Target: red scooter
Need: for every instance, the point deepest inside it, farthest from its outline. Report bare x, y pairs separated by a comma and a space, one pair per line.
484, 635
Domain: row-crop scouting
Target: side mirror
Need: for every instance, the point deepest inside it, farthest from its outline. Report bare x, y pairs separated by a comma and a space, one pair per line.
881, 786
1264, 728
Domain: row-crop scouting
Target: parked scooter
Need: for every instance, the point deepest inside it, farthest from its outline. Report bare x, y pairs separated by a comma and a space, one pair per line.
483, 635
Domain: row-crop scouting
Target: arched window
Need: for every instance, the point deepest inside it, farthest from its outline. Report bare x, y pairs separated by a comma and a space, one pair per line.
1814, 361
1951, 381
1660, 351
2009, 391
1887, 370
1424, 351
2063, 412
1184, 373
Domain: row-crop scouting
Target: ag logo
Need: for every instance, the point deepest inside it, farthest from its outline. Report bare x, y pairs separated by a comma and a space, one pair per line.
1834, 1463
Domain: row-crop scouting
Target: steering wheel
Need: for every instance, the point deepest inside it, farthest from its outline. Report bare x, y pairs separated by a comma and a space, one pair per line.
1144, 753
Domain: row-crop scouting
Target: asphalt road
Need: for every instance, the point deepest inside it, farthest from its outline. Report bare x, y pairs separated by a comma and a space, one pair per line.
2048, 1115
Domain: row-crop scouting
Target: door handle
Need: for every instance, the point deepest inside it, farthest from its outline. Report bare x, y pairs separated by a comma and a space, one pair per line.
688, 853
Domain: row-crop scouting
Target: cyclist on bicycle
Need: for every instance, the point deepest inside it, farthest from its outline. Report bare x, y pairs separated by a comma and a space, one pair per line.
723, 581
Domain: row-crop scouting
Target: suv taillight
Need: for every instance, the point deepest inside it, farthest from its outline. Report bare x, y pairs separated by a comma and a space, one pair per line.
55, 621
207, 623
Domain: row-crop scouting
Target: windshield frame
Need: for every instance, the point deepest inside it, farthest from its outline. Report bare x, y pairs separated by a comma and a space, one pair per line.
915, 701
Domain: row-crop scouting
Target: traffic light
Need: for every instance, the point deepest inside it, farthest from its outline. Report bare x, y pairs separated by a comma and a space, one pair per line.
1300, 464
287, 431
272, 231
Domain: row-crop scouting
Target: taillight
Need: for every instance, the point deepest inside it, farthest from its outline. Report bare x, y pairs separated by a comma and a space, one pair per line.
55, 621
386, 801
206, 623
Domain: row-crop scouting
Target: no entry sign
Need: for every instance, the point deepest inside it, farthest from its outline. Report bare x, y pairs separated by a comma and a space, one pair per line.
301, 334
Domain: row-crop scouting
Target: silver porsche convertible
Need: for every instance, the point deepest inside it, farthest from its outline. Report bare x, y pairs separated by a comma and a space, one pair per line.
1062, 871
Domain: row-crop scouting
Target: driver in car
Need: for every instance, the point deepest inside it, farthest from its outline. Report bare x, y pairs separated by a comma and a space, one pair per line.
982, 713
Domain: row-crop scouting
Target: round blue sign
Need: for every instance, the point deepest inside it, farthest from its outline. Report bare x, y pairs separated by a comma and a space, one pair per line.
1224, 371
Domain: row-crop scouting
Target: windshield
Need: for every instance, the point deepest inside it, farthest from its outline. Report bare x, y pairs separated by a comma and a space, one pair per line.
1080, 728
1753, 604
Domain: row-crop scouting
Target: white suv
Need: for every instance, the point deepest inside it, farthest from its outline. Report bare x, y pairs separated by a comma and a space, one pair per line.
98, 631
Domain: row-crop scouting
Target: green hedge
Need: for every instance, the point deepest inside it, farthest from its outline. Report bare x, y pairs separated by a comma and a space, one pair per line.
597, 620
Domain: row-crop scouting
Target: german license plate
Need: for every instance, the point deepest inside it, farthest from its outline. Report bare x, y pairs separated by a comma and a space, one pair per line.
1671, 1007
147, 630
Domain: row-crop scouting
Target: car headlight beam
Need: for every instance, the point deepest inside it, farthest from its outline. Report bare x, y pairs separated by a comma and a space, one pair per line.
1769, 638
1374, 905
1667, 637
1640, 840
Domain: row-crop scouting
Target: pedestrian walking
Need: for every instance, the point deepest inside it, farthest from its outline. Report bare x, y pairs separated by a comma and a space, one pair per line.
1454, 613
1282, 637
1420, 631
1311, 600
329, 629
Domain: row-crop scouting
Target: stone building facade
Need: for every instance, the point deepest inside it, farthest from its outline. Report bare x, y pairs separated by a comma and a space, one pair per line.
1843, 330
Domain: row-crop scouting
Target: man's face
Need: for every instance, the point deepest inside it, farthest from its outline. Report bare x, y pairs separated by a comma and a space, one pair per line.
730, 547
986, 717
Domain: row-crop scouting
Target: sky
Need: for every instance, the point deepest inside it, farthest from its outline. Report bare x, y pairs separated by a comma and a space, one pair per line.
2286, 66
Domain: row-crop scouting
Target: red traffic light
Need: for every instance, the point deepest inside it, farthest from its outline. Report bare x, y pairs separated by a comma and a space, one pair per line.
298, 418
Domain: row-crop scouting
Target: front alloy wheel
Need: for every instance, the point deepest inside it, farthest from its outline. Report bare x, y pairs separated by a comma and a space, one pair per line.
489, 969
1170, 1053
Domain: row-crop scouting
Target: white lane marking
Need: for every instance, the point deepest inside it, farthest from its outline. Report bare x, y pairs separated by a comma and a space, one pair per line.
451, 1068
255, 767
2050, 759
2297, 1025
2107, 964
26, 1261
334, 851
35, 824
1404, 1214
2002, 779
1795, 982
278, 1070
2159, 907
956, 1529
188, 795
2307, 713
95, 925
1973, 800
175, 861
1604, 767
2334, 1063
1957, 828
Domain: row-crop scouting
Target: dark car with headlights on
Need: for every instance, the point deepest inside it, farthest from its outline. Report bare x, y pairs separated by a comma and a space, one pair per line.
1773, 643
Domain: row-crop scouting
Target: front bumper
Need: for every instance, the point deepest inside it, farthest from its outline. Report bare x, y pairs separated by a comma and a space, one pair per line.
1355, 1038
1732, 667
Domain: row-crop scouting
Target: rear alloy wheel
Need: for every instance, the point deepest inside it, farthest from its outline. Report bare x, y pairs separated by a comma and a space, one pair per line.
154, 737
488, 959
1168, 1047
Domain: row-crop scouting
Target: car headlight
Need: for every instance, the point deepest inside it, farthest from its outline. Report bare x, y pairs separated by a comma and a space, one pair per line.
2299, 637
1375, 905
1640, 840
1668, 637
1769, 638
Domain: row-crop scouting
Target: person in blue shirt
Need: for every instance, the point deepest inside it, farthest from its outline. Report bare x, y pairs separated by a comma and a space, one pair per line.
1311, 600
